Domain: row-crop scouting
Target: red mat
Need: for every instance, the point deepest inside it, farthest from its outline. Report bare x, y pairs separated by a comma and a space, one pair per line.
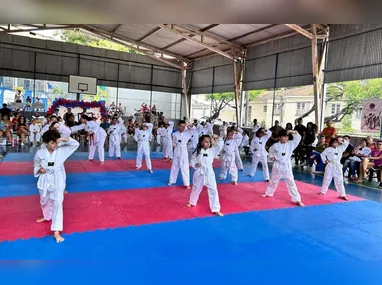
110, 209
73, 166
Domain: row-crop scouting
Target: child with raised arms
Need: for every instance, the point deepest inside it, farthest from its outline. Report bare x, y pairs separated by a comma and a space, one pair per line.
49, 168
204, 175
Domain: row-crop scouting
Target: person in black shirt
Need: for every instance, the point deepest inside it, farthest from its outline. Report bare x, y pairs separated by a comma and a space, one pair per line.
348, 151
301, 129
5, 111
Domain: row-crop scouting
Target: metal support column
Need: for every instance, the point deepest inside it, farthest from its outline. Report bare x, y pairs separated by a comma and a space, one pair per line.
316, 79
151, 85
237, 76
274, 89
185, 92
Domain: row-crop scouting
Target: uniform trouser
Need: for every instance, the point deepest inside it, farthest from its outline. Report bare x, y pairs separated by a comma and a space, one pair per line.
101, 149
114, 147
158, 139
140, 153
333, 172
264, 164
197, 185
167, 148
229, 166
238, 161
52, 210
190, 152
291, 185
184, 168
32, 136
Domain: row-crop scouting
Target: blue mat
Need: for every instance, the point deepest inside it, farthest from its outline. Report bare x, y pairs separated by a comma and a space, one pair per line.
28, 156
19, 185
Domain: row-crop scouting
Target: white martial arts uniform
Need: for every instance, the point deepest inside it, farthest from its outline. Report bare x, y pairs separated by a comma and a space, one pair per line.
96, 139
193, 142
44, 129
204, 175
228, 157
238, 161
259, 154
282, 167
52, 184
144, 138
159, 134
332, 156
244, 142
180, 157
34, 133
167, 140
115, 135
255, 128
223, 131
64, 131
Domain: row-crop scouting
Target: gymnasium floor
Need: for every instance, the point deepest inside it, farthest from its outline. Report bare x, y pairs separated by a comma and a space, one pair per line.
124, 224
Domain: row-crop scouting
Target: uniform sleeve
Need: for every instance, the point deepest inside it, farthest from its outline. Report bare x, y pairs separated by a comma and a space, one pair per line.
252, 144
272, 152
68, 148
218, 147
37, 164
75, 129
238, 138
343, 146
150, 127
136, 132
296, 140
194, 159
268, 134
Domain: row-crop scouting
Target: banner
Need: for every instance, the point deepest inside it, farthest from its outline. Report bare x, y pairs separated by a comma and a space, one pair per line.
371, 116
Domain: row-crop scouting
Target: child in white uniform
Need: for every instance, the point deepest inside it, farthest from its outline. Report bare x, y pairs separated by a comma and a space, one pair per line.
166, 134
34, 132
49, 168
97, 137
331, 156
259, 154
180, 155
238, 161
143, 137
204, 175
231, 145
115, 131
281, 153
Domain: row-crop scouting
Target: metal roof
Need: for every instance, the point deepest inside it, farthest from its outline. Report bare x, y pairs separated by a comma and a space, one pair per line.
179, 44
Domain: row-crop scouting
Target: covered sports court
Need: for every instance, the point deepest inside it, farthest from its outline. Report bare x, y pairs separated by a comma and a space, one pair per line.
116, 215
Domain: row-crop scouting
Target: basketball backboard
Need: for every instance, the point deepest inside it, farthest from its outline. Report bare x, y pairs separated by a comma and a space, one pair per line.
82, 84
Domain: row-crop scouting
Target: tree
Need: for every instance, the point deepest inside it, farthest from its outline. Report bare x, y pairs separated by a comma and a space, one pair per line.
80, 38
222, 100
353, 93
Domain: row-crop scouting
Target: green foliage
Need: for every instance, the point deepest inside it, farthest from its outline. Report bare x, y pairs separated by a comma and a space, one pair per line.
58, 91
347, 124
353, 93
222, 100
80, 38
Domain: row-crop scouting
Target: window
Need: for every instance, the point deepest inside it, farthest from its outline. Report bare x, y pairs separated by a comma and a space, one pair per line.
265, 108
301, 108
277, 107
335, 108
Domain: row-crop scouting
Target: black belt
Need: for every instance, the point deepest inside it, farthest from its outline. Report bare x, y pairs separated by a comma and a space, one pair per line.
50, 163
205, 154
180, 141
283, 154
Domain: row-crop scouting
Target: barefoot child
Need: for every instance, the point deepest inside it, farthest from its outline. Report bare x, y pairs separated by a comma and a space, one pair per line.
180, 155
143, 137
281, 153
204, 175
231, 144
49, 168
331, 156
115, 131
259, 154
